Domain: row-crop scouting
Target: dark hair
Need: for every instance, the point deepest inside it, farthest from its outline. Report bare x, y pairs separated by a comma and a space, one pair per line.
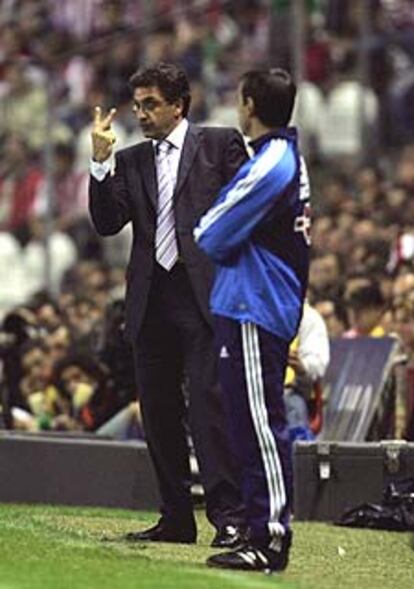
86, 362
339, 309
40, 299
366, 296
273, 93
169, 78
33, 344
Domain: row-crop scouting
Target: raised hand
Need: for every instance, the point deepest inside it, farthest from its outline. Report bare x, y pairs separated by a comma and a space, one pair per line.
103, 136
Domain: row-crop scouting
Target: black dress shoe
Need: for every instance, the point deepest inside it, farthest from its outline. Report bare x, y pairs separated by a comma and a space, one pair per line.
229, 537
164, 532
254, 558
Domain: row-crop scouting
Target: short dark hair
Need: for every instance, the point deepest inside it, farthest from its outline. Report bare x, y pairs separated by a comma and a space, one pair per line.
273, 93
86, 362
366, 296
169, 78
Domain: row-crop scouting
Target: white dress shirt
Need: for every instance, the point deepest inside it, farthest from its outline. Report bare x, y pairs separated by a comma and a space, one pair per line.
177, 136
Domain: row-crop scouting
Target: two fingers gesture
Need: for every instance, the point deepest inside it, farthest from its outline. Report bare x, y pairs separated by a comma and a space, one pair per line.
103, 136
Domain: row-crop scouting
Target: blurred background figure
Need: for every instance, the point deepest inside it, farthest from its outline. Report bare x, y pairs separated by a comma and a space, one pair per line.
307, 363
366, 308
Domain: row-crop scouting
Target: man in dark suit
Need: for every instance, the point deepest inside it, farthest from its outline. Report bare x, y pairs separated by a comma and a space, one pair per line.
163, 186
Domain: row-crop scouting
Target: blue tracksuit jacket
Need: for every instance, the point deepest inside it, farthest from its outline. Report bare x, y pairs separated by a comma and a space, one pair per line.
257, 233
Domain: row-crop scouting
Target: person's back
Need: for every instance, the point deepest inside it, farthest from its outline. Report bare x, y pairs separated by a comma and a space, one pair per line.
257, 233
366, 307
268, 284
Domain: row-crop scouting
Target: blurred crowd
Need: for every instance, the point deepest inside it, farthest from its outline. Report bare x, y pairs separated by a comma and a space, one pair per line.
63, 360
65, 363
362, 271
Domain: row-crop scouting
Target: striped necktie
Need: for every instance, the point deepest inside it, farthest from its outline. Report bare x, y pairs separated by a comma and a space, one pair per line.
166, 248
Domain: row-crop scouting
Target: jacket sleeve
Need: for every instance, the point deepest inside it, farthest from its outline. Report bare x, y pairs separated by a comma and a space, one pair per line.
108, 201
245, 201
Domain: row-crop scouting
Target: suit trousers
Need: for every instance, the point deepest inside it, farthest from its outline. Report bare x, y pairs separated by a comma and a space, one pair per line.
252, 365
176, 343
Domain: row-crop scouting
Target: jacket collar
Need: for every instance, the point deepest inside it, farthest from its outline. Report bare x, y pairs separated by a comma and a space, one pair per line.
288, 133
189, 150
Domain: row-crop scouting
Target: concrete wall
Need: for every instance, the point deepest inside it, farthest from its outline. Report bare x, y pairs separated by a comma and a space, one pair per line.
76, 471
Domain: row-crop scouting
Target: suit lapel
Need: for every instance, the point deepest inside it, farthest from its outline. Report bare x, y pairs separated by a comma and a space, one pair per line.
148, 172
147, 164
190, 147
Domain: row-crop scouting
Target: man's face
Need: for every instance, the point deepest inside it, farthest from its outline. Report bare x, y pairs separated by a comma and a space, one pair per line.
333, 323
324, 272
156, 116
35, 367
58, 342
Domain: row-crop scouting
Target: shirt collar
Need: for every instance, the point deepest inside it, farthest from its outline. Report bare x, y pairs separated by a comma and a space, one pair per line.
177, 135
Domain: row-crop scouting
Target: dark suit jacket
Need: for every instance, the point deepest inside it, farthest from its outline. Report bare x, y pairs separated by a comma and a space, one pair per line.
210, 158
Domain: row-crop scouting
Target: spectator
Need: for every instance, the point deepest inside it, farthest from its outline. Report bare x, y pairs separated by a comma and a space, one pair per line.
325, 274
58, 342
46, 310
20, 183
366, 307
342, 113
41, 401
23, 107
84, 384
334, 315
307, 363
70, 189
